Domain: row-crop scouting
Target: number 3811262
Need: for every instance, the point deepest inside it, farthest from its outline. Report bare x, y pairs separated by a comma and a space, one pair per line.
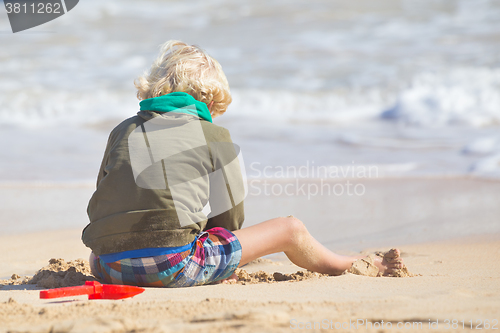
33, 8
478, 324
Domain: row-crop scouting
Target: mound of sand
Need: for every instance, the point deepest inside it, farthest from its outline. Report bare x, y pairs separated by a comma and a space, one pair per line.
58, 273
263, 277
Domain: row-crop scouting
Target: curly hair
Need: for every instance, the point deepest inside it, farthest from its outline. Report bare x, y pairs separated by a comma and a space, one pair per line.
186, 68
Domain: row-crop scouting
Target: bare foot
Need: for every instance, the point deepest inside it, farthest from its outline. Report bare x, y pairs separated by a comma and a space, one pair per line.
389, 263
232, 278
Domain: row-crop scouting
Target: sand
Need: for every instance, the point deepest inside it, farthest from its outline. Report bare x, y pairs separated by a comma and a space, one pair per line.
58, 273
457, 279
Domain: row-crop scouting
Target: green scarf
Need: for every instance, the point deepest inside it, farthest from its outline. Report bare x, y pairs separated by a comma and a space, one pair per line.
175, 102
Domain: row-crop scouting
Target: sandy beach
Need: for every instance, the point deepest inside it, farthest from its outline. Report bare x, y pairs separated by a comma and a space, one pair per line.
447, 230
457, 280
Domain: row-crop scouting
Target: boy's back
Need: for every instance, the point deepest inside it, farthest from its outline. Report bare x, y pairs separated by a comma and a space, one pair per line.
161, 200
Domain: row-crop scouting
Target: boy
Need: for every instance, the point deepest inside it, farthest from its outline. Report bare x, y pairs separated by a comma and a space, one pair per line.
168, 207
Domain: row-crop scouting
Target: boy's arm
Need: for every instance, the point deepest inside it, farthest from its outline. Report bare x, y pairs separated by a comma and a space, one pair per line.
226, 186
230, 220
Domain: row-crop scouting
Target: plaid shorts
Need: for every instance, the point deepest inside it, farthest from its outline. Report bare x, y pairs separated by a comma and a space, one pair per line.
215, 255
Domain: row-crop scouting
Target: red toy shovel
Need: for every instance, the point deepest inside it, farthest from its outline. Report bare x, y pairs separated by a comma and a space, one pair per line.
95, 290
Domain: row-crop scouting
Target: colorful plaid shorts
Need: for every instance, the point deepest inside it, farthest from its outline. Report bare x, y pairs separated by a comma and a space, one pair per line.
214, 256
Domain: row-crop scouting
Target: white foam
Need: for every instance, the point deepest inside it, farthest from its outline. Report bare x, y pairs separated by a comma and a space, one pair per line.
41, 107
468, 96
488, 148
487, 167
336, 106
483, 146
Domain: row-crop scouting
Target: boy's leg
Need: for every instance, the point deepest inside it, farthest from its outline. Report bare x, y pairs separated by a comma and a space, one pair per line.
289, 235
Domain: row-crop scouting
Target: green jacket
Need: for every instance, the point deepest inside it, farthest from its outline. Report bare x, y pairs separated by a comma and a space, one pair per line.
128, 213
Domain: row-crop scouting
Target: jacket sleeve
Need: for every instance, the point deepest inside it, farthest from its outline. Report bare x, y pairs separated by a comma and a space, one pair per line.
227, 188
230, 220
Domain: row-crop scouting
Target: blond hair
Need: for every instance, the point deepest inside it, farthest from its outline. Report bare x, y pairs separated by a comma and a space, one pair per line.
186, 68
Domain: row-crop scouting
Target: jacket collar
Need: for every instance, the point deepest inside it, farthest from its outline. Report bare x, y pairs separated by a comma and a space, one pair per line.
179, 102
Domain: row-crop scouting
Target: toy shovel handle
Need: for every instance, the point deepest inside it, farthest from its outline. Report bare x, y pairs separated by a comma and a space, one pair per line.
95, 290
90, 288
67, 291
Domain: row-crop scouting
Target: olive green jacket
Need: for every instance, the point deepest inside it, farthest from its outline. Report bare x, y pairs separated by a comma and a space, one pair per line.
128, 214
